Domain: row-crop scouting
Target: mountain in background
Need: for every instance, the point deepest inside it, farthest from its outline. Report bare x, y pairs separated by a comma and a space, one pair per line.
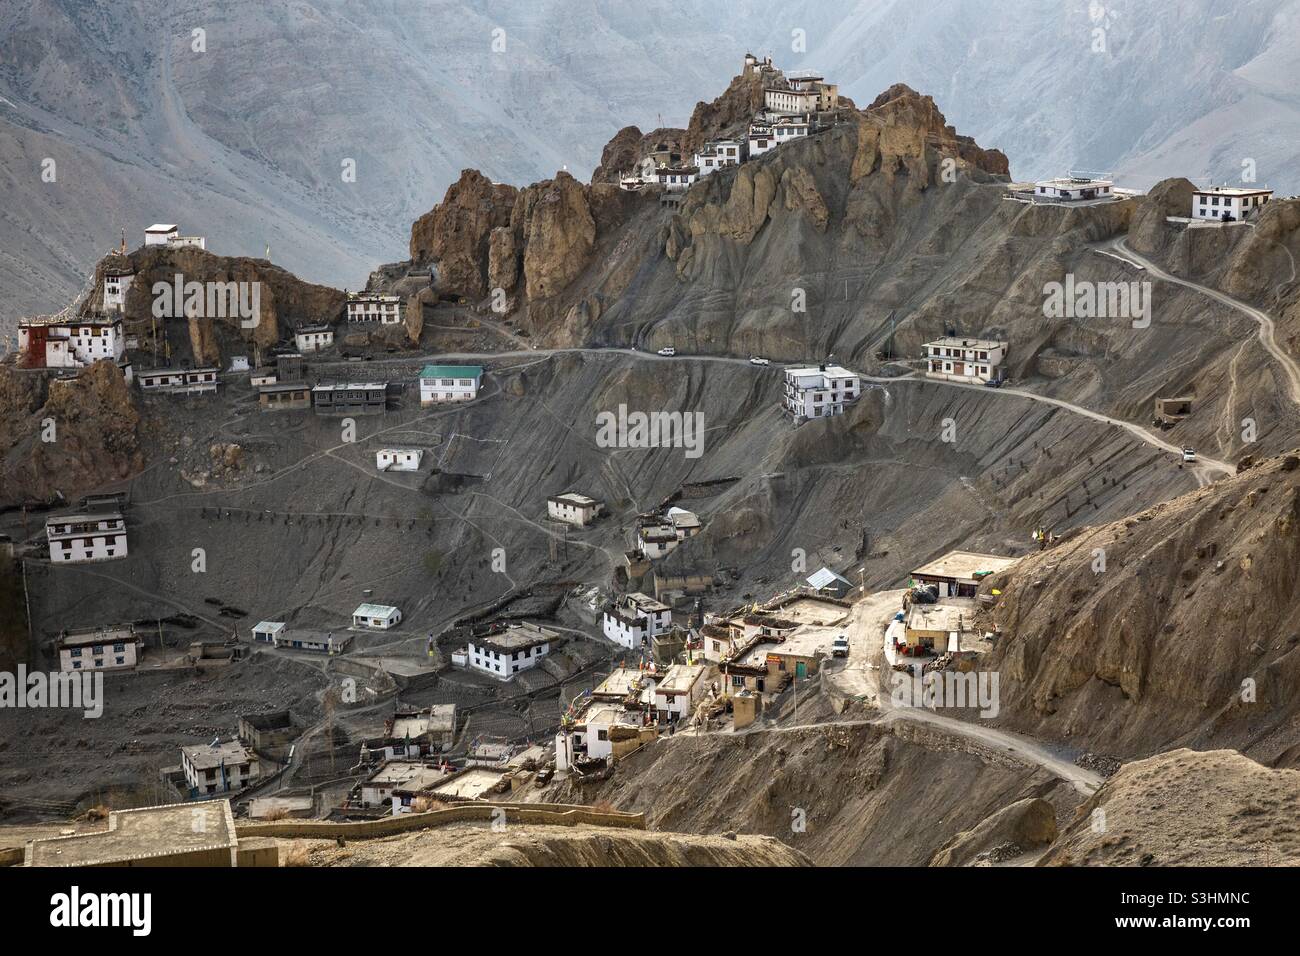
246, 141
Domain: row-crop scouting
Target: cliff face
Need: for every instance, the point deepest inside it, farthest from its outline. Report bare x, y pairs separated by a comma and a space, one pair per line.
455, 233
283, 300
93, 425
1190, 635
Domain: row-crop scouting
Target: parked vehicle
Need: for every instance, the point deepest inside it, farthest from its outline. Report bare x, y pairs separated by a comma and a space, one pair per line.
668, 350
1189, 454
840, 647
758, 360
994, 383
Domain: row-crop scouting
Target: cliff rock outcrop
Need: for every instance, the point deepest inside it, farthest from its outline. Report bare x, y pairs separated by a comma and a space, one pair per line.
65, 436
455, 233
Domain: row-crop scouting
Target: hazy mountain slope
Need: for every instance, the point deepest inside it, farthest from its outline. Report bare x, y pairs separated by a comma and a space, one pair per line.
244, 142
1189, 88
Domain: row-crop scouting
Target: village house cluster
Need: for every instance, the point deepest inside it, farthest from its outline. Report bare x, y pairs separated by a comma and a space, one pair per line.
793, 105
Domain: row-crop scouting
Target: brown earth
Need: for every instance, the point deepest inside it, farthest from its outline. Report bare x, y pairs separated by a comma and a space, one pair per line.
1187, 808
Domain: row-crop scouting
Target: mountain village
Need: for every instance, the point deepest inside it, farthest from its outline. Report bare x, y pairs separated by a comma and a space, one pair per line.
666, 655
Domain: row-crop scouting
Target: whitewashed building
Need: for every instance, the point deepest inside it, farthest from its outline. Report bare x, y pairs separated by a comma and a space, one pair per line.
180, 381
116, 284
378, 617
656, 539
265, 632
398, 459
504, 655
374, 307
965, 360
718, 153
73, 343
1073, 189
676, 178
168, 234
633, 619
678, 691
219, 768
573, 508
449, 383
819, 392
78, 538
313, 338
98, 648
1228, 203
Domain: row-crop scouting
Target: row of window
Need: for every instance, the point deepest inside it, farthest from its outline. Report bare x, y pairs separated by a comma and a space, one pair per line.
119, 661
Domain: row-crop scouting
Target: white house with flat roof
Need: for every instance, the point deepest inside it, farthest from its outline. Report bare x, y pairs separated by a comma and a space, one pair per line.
716, 154
98, 648
965, 360
168, 234
79, 538
633, 619
116, 284
1073, 189
313, 338
958, 573
676, 178
265, 632
449, 383
819, 392
376, 617
219, 768
573, 508
398, 459
374, 307
1228, 203
678, 691
519, 647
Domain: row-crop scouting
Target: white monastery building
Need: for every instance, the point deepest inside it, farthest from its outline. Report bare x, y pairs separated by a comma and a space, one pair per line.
180, 381
819, 392
73, 343
634, 619
676, 178
374, 307
79, 538
1228, 203
718, 153
168, 234
116, 284
965, 360
573, 508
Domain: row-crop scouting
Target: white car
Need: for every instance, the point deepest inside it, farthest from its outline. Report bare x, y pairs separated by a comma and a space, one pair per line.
668, 350
756, 360
1189, 454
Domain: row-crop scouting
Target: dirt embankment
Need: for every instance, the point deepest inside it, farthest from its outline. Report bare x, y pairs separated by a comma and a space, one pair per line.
844, 795
1177, 626
1184, 808
532, 845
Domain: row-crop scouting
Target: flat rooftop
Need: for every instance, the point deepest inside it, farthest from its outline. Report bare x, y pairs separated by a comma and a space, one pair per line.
957, 342
620, 682
470, 785
963, 565
573, 498
205, 756
82, 636
679, 678
143, 833
940, 617
441, 720
517, 637
1230, 191
408, 775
